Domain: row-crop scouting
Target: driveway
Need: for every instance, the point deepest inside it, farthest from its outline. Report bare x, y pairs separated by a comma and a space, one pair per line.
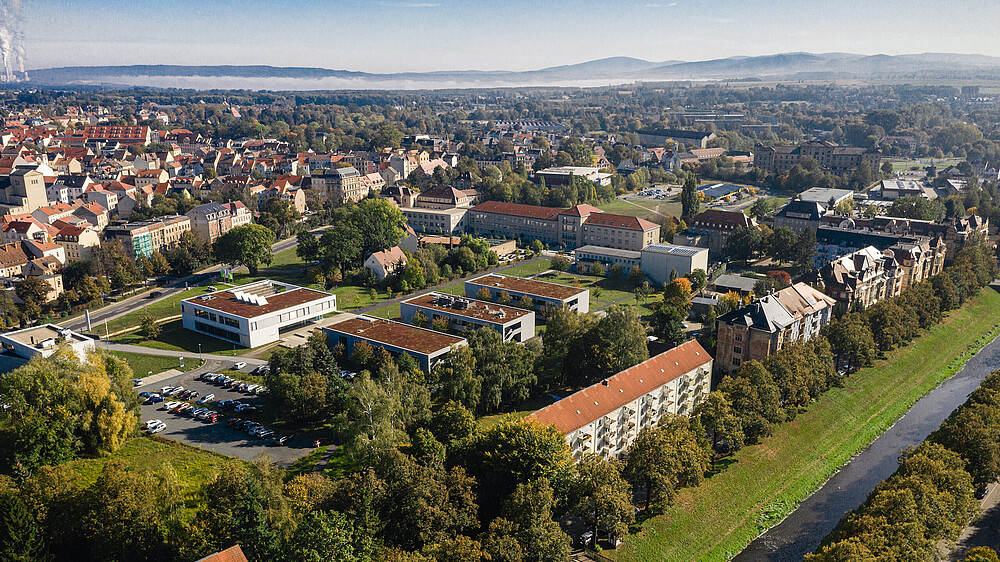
216, 436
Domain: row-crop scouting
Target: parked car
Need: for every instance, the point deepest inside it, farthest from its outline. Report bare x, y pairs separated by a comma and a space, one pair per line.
151, 423
239, 366
154, 399
170, 405
145, 394
158, 428
136, 382
206, 398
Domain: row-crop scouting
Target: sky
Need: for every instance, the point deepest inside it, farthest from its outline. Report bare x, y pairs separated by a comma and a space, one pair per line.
427, 35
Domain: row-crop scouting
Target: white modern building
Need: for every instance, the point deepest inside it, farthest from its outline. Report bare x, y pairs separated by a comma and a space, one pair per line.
257, 313
439, 221
658, 260
514, 324
543, 295
424, 345
627, 259
21, 346
605, 418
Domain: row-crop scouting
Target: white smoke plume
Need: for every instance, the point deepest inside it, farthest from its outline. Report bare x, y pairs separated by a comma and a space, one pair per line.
11, 52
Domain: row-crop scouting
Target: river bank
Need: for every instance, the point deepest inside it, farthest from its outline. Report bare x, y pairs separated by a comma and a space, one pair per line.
801, 532
766, 482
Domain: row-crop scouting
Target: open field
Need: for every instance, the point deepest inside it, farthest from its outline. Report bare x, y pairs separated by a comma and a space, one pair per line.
764, 483
650, 210
143, 365
176, 338
286, 260
350, 297
147, 454
529, 269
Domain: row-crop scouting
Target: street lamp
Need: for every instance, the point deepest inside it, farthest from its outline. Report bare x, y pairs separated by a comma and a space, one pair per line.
199, 348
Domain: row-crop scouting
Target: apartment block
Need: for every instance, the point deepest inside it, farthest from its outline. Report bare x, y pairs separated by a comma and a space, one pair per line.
605, 418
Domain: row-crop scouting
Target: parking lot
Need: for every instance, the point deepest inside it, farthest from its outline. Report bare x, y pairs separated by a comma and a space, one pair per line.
216, 436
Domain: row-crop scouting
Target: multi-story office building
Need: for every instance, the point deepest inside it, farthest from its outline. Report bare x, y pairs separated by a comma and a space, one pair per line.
577, 226
257, 313
662, 261
424, 345
514, 324
605, 418
831, 157
543, 295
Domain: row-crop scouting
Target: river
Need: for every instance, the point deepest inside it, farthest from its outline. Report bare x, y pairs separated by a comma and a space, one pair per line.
801, 532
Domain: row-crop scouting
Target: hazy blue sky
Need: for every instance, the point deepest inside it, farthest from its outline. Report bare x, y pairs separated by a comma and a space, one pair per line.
387, 36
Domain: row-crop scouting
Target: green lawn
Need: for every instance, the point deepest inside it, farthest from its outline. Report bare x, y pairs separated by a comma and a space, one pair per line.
350, 297
307, 464
194, 467
529, 268
142, 365
610, 290
175, 337
286, 260
649, 210
766, 482
169, 306
391, 312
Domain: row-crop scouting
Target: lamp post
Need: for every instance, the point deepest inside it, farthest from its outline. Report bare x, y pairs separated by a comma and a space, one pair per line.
199, 348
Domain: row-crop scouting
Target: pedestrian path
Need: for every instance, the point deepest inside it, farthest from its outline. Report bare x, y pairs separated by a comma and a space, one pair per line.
129, 348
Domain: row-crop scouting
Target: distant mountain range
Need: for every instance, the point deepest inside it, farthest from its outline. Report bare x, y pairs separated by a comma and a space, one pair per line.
608, 71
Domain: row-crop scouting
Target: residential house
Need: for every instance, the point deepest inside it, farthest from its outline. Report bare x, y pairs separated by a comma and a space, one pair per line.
211, 220
861, 278
77, 241
93, 213
386, 262
753, 332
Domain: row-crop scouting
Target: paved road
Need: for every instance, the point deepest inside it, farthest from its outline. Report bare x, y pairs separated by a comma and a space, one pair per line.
116, 310
216, 436
985, 531
187, 355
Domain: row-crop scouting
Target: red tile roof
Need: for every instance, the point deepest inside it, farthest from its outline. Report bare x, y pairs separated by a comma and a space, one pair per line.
619, 221
516, 209
581, 210
231, 554
591, 403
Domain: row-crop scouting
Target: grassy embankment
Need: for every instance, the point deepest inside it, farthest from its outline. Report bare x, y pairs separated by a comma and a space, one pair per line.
142, 365
766, 482
194, 467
